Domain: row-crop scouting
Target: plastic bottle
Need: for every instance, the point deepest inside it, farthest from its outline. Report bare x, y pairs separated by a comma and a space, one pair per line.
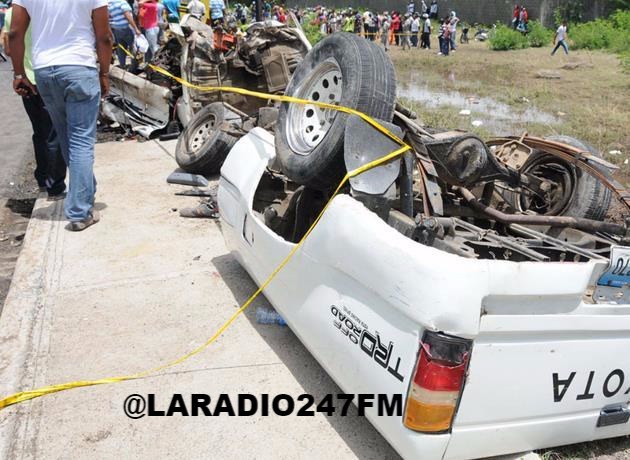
266, 315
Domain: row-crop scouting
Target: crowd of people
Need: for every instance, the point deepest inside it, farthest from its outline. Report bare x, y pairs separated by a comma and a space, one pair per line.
411, 29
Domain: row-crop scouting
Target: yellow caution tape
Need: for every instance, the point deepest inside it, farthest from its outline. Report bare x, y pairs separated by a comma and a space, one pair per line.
26, 395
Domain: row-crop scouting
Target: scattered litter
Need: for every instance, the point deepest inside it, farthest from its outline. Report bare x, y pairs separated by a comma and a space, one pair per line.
575, 65
561, 114
196, 257
615, 152
11, 184
464, 112
182, 178
206, 209
548, 75
265, 315
477, 123
173, 209
626, 161
523, 100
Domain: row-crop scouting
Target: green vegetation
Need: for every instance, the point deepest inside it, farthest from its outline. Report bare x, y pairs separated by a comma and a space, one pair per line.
611, 34
311, 30
505, 38
538, 35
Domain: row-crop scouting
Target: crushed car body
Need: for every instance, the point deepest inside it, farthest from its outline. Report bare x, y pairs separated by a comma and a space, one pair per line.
261, 60
483, 281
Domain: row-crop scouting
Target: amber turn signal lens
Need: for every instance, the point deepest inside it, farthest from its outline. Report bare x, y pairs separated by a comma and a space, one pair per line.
428, 418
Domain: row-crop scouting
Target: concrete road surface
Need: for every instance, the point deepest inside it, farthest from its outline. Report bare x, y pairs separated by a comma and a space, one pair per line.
139, 289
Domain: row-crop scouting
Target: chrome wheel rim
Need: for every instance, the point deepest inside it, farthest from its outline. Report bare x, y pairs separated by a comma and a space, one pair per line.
201, 133
307, 125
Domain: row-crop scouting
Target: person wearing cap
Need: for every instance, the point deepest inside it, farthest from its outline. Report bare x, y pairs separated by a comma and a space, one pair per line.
426, 32
406, 32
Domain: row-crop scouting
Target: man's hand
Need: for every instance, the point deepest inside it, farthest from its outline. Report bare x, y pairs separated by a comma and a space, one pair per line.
23, 86
104, 81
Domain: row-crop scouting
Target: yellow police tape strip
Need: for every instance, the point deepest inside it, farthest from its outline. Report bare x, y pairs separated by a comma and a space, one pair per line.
26, 395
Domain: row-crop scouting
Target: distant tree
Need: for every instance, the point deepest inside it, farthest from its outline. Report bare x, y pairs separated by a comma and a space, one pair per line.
619, 4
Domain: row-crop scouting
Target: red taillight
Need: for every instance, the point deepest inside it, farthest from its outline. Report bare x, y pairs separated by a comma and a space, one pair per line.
437, 383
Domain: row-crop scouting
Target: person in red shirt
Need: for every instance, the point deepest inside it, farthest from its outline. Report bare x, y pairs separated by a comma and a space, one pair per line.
148, 17
396, 27
515, 16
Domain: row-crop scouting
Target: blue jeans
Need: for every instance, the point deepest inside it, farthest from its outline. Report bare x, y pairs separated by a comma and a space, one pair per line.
125, 38
453, 40
152, 36
72, 95
563, 44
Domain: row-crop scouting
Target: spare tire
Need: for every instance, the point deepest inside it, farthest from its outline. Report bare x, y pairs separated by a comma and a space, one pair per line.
203, 146
588, 197
342, 69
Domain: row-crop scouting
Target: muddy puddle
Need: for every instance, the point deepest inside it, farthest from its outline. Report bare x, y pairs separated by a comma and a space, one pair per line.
497, 117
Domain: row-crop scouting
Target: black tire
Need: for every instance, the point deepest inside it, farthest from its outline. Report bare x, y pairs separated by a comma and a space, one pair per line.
590, 198
368, 84
198, 156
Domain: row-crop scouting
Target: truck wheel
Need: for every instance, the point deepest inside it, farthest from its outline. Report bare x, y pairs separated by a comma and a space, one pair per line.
203, 147
344, 70
582, 194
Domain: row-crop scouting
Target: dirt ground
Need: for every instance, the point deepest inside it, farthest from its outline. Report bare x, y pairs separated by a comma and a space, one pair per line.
585, 95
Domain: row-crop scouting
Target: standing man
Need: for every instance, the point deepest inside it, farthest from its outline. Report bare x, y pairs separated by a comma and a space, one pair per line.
65, 36
217, 11
415, 28
172, 10
453, 30
560, 39
411, 7
197, 9
433, 10
123, 27
50, 170
426, 32
406, 32
385, 28
396, 27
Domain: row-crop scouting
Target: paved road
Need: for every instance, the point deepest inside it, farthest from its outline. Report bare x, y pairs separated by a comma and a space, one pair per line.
141, 288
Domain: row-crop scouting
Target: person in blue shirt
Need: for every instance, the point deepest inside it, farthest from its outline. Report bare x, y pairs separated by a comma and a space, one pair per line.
123, 28
172, 10
217, 11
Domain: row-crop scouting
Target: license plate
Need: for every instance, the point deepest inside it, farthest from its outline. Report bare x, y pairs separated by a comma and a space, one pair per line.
618, 272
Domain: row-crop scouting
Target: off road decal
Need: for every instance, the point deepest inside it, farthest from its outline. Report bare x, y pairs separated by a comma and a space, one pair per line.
370, 343
610, 386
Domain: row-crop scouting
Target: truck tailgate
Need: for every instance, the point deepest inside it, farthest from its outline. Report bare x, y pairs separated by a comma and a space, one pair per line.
539, 381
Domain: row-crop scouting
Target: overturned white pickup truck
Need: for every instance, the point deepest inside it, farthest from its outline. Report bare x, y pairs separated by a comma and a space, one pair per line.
482, 281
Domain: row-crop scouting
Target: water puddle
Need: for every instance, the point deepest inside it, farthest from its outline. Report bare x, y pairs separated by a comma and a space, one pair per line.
498, 117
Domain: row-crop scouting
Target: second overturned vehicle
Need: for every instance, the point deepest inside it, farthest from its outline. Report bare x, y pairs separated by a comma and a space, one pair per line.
482, 281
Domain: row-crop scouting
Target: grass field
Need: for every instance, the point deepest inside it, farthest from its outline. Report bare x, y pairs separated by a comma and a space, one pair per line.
587, 98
